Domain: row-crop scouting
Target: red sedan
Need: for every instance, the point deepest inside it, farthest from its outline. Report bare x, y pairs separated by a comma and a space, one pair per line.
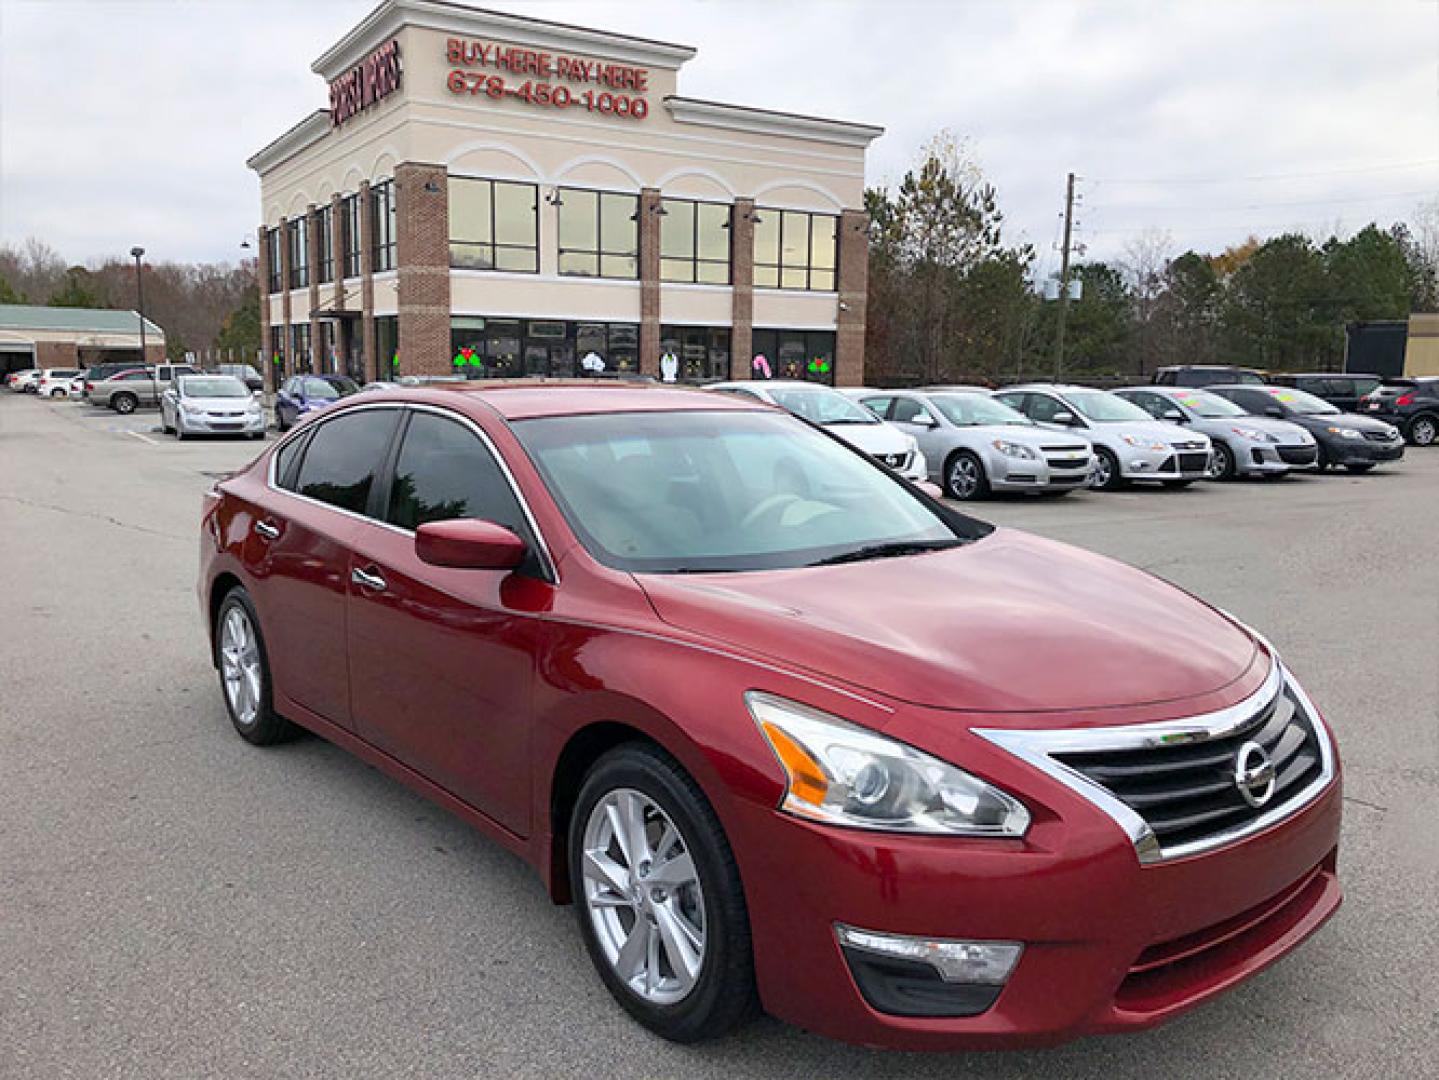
788, 733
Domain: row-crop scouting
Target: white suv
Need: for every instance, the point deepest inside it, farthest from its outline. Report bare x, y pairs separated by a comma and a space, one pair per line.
1129, 444
55, 382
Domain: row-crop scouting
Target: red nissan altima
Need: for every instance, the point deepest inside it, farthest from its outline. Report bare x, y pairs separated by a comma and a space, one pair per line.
788, 733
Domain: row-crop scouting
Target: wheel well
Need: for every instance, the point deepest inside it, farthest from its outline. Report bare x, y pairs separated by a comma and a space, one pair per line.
585, 747
219, 589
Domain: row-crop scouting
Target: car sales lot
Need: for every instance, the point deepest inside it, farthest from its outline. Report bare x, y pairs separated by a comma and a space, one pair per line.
177, 903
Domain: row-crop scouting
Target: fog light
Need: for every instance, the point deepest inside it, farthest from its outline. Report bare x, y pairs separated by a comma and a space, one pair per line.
1140, 465
986, 963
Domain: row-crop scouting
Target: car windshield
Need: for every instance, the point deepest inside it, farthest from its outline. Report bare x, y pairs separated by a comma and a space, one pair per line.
821, 406
1209, 406
1103, 407
725, 491
213, 386
969, 410
1301, 402
330, 387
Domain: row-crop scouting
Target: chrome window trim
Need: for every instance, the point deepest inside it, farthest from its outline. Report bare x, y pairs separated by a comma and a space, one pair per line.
1036, 747
547, 563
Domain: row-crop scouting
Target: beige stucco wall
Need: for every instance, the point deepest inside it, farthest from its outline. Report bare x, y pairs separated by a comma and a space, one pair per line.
1421, 353
81, 340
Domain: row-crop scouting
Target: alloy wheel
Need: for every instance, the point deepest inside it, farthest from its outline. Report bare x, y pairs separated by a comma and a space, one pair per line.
1423, 431
240, 665
964, 477
1102, 473
643, 896
1218, 467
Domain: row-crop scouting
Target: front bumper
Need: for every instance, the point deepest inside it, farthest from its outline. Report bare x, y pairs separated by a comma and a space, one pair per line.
1109, 944
1252, 459
1363, 451
214, 425
1141, 463
1026, 474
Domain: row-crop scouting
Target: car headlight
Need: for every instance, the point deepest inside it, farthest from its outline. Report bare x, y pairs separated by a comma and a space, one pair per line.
1254, 434
841, 774
1345, 433
1014, 450
1144, 444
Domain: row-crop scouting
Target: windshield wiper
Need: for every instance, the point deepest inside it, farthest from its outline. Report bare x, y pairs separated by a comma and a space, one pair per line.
892, 550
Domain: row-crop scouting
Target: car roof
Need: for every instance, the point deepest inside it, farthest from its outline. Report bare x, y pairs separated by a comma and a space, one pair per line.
525, 399
1053, 388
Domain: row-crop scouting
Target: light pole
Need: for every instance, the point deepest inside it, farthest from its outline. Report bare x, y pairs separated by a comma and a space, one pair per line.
137, 253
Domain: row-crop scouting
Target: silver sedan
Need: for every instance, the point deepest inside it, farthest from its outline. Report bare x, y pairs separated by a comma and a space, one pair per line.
975, 445
1244, 445
211, 405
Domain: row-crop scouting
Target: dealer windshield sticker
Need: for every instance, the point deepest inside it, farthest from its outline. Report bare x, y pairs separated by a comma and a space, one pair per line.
1188, 402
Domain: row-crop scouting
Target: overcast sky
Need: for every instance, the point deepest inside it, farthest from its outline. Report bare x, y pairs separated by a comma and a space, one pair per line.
129, 122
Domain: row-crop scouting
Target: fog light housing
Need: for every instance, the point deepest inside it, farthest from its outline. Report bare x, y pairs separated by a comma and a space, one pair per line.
918, 976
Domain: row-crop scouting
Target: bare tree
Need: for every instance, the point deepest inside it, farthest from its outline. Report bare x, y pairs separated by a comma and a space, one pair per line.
1145, 259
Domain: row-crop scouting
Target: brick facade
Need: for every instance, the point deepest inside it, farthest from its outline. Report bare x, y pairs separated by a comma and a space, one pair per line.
368, 345
267, 337
649, 239
318, 360
853, 289
422, 253
283, 346
742, 277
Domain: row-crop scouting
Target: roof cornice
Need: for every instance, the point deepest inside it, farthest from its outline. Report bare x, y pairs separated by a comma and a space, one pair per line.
306, 133
387, 20
767, 122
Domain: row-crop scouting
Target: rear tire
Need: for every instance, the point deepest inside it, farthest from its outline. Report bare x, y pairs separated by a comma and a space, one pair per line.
638, 782
124, 404
1423, 430
244, 667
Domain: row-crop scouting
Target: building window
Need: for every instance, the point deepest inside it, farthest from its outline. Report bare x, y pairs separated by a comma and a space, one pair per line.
695, 242
500, 348
350, 234
599, 234
382, 201
494, 225
387, 346
794, 250
300, 346
701, 352
797, 354
299, 240
324, 237
272, 260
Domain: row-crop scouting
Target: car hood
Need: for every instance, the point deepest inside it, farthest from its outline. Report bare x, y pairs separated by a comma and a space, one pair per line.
1009, 623
1357, 421
1157, 430
878, 438
1028, 435
1273, 425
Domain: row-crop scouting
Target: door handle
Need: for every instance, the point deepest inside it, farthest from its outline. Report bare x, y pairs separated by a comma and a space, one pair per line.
366, 579
267, 530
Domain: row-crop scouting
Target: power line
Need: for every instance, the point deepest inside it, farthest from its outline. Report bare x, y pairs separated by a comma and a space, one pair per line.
1267, 205
1398, 166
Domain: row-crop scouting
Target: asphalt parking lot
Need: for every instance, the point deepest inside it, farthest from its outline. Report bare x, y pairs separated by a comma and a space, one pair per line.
175, 903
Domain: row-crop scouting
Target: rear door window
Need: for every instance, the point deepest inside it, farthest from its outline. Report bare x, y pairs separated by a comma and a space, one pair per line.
909, 411
343, 457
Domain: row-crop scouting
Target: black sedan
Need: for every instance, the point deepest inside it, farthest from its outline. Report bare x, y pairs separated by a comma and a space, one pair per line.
1411, 404
1356, 442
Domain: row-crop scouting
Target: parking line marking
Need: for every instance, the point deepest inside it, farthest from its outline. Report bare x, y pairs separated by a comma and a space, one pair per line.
143, 438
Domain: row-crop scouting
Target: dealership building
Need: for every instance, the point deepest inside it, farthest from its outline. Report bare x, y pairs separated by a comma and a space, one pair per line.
502, 196
34, 336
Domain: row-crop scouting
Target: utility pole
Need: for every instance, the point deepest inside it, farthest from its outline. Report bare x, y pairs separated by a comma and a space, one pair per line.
1064, 278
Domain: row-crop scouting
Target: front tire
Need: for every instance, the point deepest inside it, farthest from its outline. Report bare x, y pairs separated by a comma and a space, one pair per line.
245, 672
1106, 471
658, 897
964, 477
1221, 463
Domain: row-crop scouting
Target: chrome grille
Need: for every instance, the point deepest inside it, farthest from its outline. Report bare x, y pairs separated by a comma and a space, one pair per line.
1378, 436
1174, 786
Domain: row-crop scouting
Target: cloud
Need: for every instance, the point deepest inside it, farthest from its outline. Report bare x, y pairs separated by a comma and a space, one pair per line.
125, 123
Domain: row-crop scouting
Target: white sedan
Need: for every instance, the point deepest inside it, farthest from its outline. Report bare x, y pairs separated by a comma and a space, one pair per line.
211, 405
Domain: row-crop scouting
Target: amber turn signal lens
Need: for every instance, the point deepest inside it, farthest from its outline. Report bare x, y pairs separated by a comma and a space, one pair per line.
807, 780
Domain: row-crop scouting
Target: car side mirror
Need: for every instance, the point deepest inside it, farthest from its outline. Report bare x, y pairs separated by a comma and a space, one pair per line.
1064, 416
926, 421
468, 544
1274, 410
1174, 416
